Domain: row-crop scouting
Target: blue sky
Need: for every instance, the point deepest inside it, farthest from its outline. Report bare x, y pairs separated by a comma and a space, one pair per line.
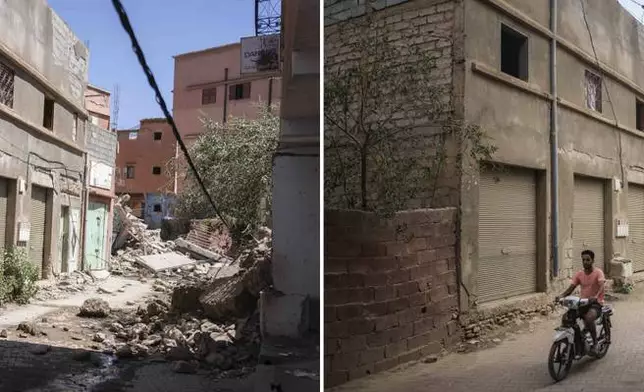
634, 8
164, 28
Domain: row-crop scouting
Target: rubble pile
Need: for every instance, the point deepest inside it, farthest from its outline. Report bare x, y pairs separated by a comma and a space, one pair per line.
189, 341
64, 285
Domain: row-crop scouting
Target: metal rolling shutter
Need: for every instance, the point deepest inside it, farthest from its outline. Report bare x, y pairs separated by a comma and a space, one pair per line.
4, 194
588, 221
636, 226
37, 232
507, 234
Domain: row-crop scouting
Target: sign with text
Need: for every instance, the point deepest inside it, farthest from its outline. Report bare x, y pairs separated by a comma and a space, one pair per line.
260, 54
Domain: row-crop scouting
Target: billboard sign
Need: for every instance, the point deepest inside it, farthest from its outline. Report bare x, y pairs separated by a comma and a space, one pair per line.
260, 54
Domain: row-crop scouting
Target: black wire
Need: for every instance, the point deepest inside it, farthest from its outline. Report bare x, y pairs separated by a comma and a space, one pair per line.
125, 22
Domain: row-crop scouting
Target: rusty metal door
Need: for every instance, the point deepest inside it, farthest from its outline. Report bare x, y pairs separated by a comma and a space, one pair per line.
636, 226
38, 226
507, 234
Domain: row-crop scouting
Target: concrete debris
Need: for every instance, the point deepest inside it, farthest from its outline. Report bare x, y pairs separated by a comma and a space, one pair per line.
29, 328
4, 334
64, 285
94, 307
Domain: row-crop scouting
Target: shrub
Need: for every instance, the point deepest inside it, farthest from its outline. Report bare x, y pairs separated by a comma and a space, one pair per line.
19, 277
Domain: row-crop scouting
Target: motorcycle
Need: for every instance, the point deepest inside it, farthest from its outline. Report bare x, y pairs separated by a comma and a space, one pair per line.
573, 341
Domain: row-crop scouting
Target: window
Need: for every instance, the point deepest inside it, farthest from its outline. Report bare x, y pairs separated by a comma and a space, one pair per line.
239, 91
75, 127
157, 208
514, 53
48, 114
7, 77
129, 172
209, 96
593, 88
156, 170
639, 115
157, 135
133, 135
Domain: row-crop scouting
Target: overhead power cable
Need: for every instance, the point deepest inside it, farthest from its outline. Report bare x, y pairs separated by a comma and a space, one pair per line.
127, 26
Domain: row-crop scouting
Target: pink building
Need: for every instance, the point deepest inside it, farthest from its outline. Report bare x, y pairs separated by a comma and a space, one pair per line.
97, 103
209, 83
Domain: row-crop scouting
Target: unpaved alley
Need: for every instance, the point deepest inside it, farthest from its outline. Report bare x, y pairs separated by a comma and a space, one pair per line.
519, 363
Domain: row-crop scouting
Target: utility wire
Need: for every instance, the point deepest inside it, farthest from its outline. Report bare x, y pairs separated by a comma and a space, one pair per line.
127, 26
610, 101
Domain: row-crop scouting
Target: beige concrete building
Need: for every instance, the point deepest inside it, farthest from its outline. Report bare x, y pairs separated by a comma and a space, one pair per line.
568, 124
43, 74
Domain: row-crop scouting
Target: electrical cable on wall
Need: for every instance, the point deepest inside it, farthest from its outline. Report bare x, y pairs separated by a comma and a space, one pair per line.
127, 26
610, 101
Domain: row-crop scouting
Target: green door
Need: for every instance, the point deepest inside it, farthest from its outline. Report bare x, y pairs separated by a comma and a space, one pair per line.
95, 236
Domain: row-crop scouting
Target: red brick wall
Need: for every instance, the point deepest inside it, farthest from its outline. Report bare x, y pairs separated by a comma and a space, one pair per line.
390, 290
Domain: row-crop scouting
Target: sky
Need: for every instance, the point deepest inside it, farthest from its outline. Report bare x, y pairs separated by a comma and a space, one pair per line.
634, 7
164, 28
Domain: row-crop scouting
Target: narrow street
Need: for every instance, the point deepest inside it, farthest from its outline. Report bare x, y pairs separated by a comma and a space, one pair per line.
519, 363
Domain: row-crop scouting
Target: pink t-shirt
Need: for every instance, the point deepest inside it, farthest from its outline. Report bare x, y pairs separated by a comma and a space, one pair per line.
591, 285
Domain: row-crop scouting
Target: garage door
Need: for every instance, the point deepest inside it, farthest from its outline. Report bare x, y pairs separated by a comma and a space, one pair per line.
507, 234
38, 226
4, 194
588, 220
636, 226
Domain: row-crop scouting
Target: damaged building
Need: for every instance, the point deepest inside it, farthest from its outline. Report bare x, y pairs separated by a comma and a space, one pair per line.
43, 74
557, 86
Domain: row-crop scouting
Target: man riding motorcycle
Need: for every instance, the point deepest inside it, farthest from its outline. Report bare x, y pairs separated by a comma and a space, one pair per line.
591, 281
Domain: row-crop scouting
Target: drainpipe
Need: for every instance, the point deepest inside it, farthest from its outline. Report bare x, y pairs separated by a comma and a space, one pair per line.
554, 142
225, 95
80, 260
270, 93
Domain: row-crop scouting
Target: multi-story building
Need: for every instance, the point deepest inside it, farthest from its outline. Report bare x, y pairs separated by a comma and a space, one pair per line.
559, 89
210, 84
101, 147
143, 171
43, 74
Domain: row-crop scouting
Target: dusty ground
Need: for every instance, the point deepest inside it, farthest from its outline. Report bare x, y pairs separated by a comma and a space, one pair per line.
61, 352
518, 362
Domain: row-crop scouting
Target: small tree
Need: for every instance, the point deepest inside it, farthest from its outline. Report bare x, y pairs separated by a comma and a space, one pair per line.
389, 118
234, 160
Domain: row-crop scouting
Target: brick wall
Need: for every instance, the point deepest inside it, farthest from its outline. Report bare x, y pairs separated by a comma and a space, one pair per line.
390, 290
101, 144
428, 26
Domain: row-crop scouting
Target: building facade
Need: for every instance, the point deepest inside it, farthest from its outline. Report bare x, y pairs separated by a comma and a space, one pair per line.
97, 101
561, 99
209, 84
101, 145
143, 171
43, 74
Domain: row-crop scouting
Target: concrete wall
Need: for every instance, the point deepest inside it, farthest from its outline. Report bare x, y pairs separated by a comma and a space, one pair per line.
196, 71
516, 113
97, 102
390, 293
144, 153
49, 61
154, 218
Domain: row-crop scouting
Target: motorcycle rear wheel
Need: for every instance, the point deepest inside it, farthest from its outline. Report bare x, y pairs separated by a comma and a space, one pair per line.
560, 359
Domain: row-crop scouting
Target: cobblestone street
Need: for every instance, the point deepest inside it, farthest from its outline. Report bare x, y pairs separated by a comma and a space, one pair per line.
520, 364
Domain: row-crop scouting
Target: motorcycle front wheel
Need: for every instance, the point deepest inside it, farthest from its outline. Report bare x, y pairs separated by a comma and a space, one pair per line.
604, 337
560, 359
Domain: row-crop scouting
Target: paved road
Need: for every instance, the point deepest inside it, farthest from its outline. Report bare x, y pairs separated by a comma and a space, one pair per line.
520, 364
